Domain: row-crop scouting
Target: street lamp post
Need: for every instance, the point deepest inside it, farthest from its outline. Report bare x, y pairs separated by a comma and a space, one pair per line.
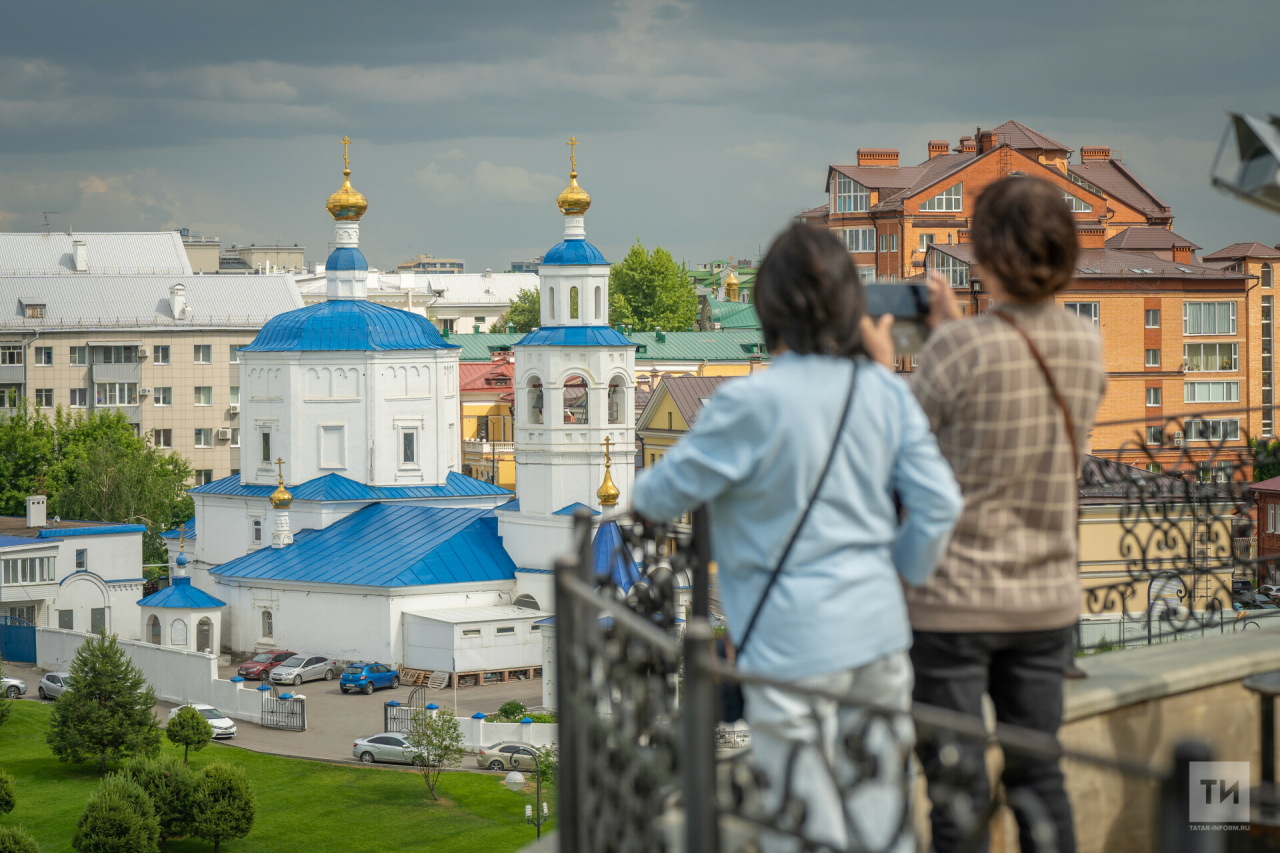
535, 814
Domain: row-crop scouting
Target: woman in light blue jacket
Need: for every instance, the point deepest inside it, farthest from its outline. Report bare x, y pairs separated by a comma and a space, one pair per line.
835, 618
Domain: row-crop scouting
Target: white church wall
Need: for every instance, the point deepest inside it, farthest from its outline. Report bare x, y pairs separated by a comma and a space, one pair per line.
534, 541
84, 592
539, 585
113, 556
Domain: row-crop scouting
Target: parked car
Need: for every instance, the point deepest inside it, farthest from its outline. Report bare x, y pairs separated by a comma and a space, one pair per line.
260, 666
222, 725
388, 746
13, 687
299, 668
507, 755
367, 676
53, 685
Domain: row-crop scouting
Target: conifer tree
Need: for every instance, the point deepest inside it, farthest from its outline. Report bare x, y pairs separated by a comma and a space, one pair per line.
171, 787
7, 800
224, 804
189, 730
15, 839
106, 714
118, 818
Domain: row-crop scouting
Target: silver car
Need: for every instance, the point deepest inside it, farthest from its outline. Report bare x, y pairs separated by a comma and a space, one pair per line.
388, 746
508, 755
13, 687
53, 685
300, 668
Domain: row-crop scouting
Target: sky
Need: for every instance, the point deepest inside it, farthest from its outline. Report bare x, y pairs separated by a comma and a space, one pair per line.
703, 126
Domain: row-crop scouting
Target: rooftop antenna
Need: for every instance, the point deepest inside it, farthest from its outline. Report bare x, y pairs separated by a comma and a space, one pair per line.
46, 219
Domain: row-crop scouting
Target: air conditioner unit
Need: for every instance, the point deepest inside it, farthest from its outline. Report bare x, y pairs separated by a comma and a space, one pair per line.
1177, 439
142, 352
224, 434
235, 408
144, 391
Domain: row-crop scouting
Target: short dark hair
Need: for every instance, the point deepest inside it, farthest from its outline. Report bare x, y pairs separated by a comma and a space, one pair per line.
1025, 235
808, 294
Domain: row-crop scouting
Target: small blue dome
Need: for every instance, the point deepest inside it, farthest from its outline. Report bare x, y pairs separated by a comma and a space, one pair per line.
347, 324
182, 559
569, 252
346, 258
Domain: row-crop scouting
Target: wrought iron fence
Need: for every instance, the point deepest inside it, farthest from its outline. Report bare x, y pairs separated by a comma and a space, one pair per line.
279, 712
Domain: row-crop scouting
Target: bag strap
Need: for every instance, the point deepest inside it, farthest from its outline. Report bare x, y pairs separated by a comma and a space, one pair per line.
804, 516
1053, 386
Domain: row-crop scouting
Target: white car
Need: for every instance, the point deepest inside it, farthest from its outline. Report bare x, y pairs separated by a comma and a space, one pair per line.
53, 685
300, 668
12, 688
221, 724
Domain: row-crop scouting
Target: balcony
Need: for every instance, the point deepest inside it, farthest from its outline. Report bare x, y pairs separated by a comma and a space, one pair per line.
117, 373
487, 448
12, 374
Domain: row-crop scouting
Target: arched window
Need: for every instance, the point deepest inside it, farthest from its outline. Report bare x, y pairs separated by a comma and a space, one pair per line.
575, 400
204, 635
257, 531
573, 303
534, 395
153, 630
178, 633
1266, 275
268, 630
526, 601
617, 399
598, 299
551, 297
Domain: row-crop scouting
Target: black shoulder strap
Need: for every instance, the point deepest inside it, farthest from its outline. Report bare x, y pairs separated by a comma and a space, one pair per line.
804, 516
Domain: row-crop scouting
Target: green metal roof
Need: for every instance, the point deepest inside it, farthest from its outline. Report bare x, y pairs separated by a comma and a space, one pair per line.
734, 315
723, 345
482, 346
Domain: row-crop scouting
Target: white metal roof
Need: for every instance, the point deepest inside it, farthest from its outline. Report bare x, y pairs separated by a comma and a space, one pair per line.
493, 613
117, 253
138, 301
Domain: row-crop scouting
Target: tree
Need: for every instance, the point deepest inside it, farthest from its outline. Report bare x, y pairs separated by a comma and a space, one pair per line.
657, 293
5, 704
171, 787
549, 763
1266, 459
511, 711
15, 839
189, 730
224, 804
524, 313
118, 818
107, 712
436, 739
7, 800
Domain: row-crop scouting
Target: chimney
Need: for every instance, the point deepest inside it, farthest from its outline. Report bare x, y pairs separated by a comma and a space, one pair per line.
36, 511
178, 302
878, 157
962, 236
937, 146
80, 254
986, 141
1094, 152
1091, 236
1184, 255
967, 145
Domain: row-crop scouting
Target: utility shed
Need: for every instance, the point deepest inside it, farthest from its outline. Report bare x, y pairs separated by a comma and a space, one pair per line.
490, 643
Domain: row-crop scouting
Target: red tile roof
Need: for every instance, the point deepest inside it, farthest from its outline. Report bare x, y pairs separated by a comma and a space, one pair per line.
1243, 250
486, 376
1018, 135
1148, 237
1115, 180
1112, 263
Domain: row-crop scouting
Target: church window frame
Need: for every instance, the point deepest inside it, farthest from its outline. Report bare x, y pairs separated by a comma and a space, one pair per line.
577, 413
256, 537
575, 304
178, 633
599, 301
534, 400
409, 448
266, 446
153, 630
268, 624
551, 302
616, 399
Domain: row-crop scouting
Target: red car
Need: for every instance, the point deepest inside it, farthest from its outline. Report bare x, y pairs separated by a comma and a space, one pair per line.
260, 666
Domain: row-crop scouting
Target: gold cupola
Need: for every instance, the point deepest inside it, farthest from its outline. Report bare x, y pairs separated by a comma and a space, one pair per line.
280, 498
607, 493
731, 284
347, 204
573, 201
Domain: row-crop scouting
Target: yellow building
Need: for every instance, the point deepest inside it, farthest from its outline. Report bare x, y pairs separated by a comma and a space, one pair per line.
671, 411
488, 448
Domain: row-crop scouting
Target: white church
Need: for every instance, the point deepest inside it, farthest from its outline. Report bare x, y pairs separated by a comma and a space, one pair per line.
351, 531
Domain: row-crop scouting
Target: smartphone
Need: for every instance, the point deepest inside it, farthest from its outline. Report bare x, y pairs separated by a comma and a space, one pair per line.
909, 305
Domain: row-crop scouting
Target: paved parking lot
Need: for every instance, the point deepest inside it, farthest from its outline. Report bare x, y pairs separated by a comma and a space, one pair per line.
334, 720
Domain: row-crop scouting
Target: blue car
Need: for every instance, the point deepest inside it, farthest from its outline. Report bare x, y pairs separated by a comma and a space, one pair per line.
367, 676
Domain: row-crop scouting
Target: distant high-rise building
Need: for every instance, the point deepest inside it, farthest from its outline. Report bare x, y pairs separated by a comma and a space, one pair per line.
527, 265
430, 264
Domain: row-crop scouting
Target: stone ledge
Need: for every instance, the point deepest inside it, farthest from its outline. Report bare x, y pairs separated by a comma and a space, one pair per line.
1129, 676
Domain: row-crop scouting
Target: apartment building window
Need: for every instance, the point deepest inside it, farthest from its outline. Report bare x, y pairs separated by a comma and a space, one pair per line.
446, 325
160, 354
235, 438
866, 274
1076, 205
926, 240
954, 270
44, 357
1154, 467
1202, 429
116, 393
888, 242
30, 570
1153, 358
235, 353
116, 355
860, 239
204, 395
1268, 410
10, 354
34, 312
162, 437
235, 395
1208, 318
1155, 435
203, 354
266, 447
1211, 392
1153, 318
204, 476
1266, 275
204, 438
162, 395
950, 199
1153, 396
1212, 358
851, 196
1084, 310
44, 398
79, 398
482, 319
79, 355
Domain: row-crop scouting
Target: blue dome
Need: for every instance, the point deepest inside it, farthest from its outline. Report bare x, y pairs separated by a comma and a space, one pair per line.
347, 324
180, 593
569, 252
182, 559
346, 258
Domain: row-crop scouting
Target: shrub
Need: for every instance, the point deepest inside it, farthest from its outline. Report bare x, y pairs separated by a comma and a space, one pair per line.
171, 785
511, 709
7, 800
189, 730
15, 839
118, 818
224, 804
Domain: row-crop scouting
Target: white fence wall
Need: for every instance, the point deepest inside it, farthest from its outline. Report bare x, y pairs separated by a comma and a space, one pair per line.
176, 675
478, 733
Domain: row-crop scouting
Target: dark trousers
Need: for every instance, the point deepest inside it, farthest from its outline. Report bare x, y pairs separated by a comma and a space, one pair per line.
1023, 674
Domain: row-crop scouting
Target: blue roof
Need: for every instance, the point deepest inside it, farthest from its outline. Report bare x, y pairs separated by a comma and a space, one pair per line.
569, 252
346, 258
188, 527
578, 336
335, 487
512, 505
11, 541
387, 545
347, 324
572, 508
99, 530
180, 593
612, 558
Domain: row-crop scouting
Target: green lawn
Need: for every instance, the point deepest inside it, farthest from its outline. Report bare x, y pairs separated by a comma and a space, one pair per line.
302, 805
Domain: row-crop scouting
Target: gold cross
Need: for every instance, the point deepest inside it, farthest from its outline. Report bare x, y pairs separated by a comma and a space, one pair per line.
573, 160
607, 441
280, 465
346, 160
